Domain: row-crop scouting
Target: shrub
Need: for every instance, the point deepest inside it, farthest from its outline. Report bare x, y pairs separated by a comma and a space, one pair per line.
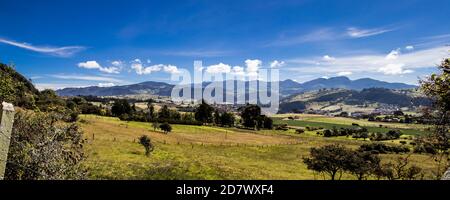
147, 143
165, 127
383, 148
299, 131
42, 148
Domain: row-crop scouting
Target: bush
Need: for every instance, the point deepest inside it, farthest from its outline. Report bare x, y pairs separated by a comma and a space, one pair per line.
147, 143
282, 127
165, 127
380, 148
42, 148
299, 131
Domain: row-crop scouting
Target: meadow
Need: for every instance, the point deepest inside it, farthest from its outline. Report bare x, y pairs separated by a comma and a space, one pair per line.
206, 152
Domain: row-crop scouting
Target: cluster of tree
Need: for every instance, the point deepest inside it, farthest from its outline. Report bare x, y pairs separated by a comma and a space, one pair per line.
407, 119
128, 112
357, 132
252, 118
334, 160
390, 135
380, 148
209, 115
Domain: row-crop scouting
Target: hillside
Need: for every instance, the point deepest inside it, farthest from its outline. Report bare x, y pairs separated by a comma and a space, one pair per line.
15, 88
287, 87
321, 99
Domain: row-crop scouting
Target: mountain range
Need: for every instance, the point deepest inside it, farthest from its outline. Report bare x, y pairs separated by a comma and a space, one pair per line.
287, 87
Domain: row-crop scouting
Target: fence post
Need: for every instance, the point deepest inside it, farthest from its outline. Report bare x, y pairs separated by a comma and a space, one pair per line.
6, 123
446, 175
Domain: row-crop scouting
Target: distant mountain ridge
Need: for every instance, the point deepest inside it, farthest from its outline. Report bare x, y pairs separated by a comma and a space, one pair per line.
342, 82
287, 87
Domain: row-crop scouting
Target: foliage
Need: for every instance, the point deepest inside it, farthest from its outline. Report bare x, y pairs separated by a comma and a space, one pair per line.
43, 148
121, 107
165, 127
329, 160
378, 148
399, 170
362, 164
437, 87
203, 113
227, 119
147, 143
164, 113
250, 114
390, 135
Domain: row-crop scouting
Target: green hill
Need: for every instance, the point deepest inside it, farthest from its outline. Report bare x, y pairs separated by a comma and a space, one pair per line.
16, 89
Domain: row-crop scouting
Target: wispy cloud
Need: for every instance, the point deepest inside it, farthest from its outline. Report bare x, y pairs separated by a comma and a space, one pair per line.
65, 51
392, 63
327, 34
360, 33
86, 78
323, 34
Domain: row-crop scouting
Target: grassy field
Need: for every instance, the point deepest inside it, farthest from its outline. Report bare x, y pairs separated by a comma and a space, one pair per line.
341, 122
202, 152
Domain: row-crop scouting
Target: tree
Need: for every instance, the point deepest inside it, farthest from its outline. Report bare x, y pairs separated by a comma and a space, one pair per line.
227, 119
155, 125
362, 164
267, 122
330, 160
203, 113
217, 120
250, 114
437, 87
151, 110
399, 170
120, 107
165, 127
164, 113
147, 143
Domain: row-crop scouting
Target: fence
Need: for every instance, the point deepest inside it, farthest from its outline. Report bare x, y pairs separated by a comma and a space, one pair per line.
6, 123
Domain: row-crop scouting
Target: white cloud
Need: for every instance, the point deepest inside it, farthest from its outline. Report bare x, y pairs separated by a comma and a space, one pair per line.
140, 69
238, 70
66, 51
409, 48
89, 65
276, 64
394, 69
344, 73
253, 67
94, 65
116, 63
328, 58
360, 33
219, 68
391, 64
393, 55
110, 70
106, 84
171, 69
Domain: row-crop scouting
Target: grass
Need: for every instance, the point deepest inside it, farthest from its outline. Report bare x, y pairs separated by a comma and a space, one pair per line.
201, 152
340, 122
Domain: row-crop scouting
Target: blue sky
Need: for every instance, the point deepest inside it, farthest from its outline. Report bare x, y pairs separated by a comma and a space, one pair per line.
80, 43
